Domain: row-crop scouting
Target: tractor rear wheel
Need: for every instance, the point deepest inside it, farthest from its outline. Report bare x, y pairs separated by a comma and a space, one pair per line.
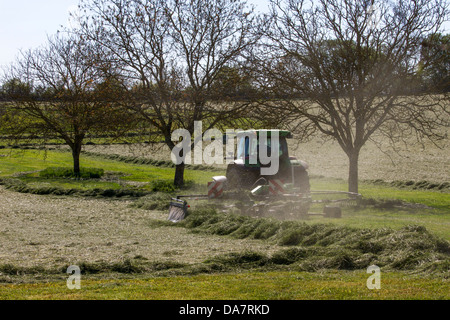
301, 180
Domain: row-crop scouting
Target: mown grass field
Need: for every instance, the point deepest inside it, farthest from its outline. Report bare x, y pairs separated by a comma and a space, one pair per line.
130, 252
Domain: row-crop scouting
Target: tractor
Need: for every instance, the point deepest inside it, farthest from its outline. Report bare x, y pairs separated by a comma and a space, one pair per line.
243, 173
251, 190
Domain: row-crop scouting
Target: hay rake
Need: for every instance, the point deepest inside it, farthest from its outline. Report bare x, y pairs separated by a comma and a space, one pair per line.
248, 188
260, 202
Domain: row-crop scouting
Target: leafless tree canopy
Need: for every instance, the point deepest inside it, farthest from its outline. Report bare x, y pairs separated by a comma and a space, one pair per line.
65, 92
171, 53
345, 68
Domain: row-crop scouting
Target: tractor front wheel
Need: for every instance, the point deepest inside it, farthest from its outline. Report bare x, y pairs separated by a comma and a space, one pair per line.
233, 179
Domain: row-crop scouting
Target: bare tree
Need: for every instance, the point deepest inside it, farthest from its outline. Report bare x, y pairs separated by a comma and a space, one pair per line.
171, 53
343, 68
62, 90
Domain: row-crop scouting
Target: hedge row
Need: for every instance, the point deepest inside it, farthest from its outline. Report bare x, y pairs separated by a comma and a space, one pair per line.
20, 186
415, 185
147, 161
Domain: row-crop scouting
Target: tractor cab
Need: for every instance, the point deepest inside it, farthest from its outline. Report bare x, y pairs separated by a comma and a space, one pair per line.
250, 145
263, 155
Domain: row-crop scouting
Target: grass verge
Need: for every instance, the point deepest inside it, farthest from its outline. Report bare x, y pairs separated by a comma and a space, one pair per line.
14, 161
282, 285
60, 172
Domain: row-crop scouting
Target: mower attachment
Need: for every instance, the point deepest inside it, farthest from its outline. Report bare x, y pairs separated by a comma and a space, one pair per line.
177, 210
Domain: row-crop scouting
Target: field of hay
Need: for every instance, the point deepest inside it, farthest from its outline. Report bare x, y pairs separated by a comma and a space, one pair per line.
114, 239
51, 232
411, 161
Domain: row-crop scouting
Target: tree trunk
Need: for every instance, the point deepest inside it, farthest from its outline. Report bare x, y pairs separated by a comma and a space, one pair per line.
179, 175
76, 151
179, 168
353, 171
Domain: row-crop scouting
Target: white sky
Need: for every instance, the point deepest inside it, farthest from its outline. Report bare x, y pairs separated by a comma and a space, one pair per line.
25, 24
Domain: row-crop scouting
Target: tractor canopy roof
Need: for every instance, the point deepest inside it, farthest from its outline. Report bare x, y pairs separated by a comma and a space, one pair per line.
281, 133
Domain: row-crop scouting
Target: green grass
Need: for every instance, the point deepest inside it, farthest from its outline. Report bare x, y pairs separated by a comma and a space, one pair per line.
15, 161
33, 172
438, 223
436, 199
65, 172
423, 207
284, 285
36, 182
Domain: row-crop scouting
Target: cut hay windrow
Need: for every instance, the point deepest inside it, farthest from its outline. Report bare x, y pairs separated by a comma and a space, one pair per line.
326, 246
